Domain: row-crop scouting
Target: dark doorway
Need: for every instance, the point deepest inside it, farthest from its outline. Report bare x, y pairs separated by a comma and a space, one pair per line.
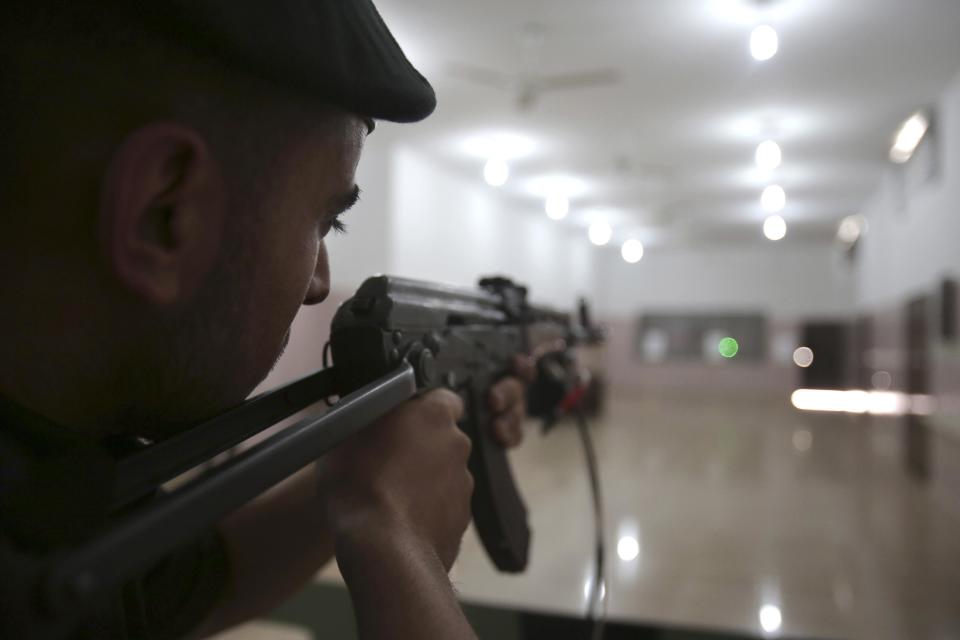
863, 341
948, 310
830, 343
917, 364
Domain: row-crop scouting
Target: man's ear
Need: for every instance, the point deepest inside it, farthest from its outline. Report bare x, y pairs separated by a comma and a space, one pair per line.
162, 212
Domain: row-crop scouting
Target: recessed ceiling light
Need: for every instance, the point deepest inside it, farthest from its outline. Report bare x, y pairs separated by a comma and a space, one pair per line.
632, 250
774, 228
600, 233
764, 43
773, 198
768, 155
557, 207
496, 172
851, 228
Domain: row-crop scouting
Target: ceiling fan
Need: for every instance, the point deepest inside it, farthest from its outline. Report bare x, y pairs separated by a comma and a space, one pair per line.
526, 84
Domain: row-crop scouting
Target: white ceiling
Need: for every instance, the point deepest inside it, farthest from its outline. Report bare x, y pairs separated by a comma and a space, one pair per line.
666, 154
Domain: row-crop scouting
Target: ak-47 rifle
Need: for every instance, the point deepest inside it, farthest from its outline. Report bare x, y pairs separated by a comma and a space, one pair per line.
393, 339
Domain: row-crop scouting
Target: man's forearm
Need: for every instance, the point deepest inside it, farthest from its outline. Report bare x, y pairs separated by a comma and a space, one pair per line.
400, 588
398, 585
276, 544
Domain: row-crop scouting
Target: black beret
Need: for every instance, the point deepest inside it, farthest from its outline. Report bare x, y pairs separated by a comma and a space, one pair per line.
337, 50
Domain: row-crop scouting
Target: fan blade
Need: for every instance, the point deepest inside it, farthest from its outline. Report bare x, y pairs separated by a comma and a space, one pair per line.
481, 75
577, 80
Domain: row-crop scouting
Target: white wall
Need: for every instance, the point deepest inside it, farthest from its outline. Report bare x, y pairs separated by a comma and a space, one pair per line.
914, 238
913, 243
452, 229
783, 280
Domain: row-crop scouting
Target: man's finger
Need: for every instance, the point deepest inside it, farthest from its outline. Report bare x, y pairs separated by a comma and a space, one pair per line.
505, 394
508, 429
448, 401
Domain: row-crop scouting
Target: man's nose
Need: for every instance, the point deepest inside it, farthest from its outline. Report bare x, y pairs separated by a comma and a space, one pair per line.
320, 281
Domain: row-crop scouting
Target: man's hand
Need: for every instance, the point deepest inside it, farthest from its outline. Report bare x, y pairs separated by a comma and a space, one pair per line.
507, 400
394, 503
397, 501
406, 475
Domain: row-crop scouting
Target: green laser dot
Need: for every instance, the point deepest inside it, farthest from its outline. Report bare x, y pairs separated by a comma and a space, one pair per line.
728, 347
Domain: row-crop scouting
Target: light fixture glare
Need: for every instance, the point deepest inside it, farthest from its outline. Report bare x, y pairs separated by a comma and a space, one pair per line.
768, 155
557, 207
774, 228
496, 172
764, 43
851, 228
908, 137
773, 198
632, 251
600, 233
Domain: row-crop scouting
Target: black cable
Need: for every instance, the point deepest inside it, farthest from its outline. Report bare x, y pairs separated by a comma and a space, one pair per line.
598, 591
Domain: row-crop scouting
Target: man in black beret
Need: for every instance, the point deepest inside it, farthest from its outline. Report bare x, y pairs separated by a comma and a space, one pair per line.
170, 174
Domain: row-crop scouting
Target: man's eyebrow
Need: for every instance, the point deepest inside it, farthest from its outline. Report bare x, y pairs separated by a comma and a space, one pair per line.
343, 202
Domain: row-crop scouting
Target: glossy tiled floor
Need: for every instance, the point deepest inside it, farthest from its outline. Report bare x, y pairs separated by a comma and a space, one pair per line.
736, 505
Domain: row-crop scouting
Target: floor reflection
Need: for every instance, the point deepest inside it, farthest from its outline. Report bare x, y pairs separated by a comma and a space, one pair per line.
741, 515
737, 516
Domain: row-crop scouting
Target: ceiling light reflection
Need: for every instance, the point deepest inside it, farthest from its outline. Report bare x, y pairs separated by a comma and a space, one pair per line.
802, 440
885, 403
770, 618
628, 548
803, 357
881, 380
588, 584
